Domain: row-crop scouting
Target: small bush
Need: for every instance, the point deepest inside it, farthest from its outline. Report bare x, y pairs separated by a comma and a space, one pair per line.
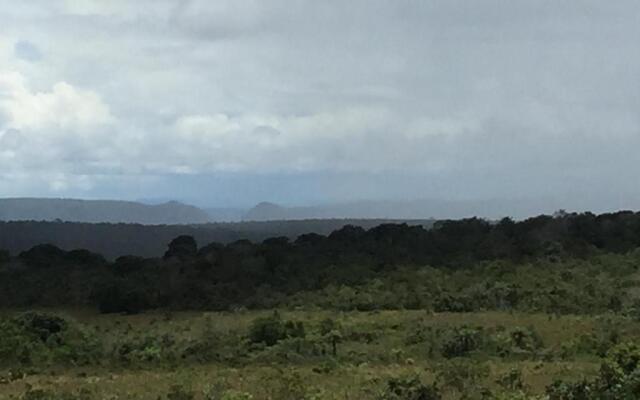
409, 389
270, 330
236, 395
461, 342
517, 340
461, 375
511, 380
41, 325
560, 390
267, 330
178, 392
150, 348
455, 304
288, 385
45, 394
40, 338
619, 378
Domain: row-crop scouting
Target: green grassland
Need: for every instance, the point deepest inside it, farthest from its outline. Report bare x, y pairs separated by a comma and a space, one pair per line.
185, 355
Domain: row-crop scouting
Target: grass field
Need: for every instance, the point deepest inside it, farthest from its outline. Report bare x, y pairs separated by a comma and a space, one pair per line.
214, 355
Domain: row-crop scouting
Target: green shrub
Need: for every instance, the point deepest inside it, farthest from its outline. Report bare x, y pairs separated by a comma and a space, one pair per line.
149, 348
621, 364
560, 390
179, 392
517, 340
326, 367
525, 338
236, 395
327, 325
44, 326
288, 385
461, 341
618, 378
205, 348
41, 338
270, 330
456, 304
511, 380
46, 394
409, 389
461, 375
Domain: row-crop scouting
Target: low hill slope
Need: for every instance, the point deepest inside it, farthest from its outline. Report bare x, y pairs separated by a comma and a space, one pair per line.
95, 211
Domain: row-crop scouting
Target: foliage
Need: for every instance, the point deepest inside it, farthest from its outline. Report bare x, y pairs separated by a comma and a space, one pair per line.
45, 394
36, 338
178, 392
560, 390
461, 342
270, 330
462, 375
567, 264
288, 385
373, 347
409, 388
511, 380
236, 395
619, 378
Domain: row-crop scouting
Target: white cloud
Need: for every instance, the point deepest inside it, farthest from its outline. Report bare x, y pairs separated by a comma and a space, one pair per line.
65, 133
63, 108
329, 140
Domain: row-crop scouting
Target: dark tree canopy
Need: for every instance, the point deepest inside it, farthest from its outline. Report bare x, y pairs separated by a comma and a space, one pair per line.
263, 274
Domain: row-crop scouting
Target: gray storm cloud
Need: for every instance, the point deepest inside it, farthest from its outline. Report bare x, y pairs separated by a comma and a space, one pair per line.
470, 99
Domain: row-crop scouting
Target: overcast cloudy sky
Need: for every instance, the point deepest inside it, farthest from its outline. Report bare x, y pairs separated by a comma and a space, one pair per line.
233, 102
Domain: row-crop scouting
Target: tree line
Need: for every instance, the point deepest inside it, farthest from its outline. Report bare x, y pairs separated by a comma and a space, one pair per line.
454, 266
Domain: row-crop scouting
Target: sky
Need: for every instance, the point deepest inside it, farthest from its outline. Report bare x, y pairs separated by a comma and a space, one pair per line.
229, 103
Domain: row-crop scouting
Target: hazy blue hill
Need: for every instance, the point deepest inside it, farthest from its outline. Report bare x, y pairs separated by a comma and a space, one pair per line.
95, 211
266, 211
225, 214
407, 210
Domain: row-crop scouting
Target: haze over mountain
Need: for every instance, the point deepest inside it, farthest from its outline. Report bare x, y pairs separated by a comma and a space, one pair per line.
408, 209
172, 212
225, 214
94, 211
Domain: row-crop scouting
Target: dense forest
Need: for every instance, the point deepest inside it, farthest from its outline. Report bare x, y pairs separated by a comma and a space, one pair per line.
496, 266
115, 240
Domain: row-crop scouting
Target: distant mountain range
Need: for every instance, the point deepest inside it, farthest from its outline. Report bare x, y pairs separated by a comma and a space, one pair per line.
115, 228
176, 213
94, 211
226, 214
411, 209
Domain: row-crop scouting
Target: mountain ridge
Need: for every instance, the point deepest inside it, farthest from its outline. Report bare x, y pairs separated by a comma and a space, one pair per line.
406, 209
99, 211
